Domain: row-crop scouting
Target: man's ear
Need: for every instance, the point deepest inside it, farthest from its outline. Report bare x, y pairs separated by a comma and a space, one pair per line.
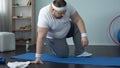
52, 10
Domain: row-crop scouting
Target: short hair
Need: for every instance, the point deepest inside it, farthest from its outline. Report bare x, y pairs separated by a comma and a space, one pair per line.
59, 3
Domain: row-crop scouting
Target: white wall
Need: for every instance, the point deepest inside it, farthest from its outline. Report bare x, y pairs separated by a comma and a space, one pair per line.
96, 14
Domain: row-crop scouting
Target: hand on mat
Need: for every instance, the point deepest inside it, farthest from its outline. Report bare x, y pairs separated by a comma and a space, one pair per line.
84, 41
37, 60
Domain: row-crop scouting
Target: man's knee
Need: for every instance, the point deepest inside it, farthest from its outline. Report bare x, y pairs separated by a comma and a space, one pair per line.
62, 55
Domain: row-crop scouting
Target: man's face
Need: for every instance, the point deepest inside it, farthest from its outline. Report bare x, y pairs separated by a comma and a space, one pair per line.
59, 14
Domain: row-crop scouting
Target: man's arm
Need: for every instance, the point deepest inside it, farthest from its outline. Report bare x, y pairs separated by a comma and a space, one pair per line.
78, 20
40, 41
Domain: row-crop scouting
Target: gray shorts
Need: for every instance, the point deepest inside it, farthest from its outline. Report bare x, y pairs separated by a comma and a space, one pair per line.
60, 46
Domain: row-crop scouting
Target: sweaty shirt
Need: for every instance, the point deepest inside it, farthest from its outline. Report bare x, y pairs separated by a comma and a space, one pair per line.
57, 28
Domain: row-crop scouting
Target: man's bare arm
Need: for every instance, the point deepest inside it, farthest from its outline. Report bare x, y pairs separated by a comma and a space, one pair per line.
40, 39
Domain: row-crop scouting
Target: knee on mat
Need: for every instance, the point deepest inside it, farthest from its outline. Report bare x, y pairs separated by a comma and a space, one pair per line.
62, 56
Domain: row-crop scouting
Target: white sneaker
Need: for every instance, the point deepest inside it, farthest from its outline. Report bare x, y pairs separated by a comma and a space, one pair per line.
85, 54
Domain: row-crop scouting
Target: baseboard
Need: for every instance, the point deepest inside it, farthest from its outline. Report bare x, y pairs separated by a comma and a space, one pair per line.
95, 44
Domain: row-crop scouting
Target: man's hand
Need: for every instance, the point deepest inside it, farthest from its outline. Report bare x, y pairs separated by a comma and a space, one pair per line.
38, 60
84, 41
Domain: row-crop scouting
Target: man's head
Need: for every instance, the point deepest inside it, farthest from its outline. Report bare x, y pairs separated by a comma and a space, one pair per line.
58, 8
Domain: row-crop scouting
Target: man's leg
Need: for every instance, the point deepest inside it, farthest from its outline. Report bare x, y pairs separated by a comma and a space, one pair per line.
75, 33
59, 46
77, 41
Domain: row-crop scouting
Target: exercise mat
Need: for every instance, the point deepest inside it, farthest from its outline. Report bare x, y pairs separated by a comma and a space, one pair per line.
99, 61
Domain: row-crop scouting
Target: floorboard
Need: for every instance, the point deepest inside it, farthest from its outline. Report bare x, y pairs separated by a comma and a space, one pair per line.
101, 51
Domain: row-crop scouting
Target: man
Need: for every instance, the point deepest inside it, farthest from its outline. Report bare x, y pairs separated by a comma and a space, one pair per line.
56, 22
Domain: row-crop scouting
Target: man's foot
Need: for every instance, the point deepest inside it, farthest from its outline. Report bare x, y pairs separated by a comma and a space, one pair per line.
85, 54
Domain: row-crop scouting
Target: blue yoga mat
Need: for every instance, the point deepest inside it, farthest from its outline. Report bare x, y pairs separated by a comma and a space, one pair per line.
99, 61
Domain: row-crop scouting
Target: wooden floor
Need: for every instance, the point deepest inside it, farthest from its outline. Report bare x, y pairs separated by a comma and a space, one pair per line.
101, 51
